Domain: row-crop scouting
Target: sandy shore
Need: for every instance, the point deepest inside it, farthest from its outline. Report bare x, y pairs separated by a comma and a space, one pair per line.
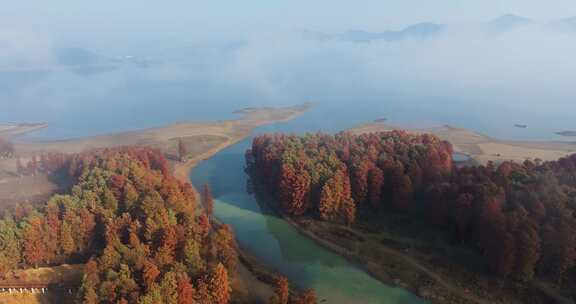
483, 148
165, 137
11, 130
202, 140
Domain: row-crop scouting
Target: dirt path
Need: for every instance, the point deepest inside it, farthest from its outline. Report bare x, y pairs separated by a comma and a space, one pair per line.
354, 257
456, 290
559, 298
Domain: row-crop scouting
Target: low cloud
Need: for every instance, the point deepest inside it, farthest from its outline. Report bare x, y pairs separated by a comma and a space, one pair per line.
24, 49
523, 75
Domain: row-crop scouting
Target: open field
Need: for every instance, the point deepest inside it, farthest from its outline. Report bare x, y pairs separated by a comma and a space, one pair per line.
29, 298
483, 148
27, 189
55, 279
62, 274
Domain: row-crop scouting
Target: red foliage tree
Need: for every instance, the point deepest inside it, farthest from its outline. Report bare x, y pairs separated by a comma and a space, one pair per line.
282, 290
294, 190
185, 290
34, 246
307, 297
375, 184
219, 285
207, 200
149, 274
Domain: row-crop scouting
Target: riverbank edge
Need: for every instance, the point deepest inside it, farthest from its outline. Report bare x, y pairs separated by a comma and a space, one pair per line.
360, 262
312, 228
14, 130
183, 172
302, 226
337, 249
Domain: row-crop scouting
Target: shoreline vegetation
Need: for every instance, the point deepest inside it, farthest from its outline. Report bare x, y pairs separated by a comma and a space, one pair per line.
395, 205
253, 282
482, 148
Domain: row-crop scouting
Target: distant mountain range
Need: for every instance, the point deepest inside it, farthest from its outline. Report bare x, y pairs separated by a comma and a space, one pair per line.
79, 57
426, 30
563, 25
508, 22
416, 31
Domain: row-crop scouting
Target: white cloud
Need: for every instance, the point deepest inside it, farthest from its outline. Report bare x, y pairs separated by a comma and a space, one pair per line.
24, 49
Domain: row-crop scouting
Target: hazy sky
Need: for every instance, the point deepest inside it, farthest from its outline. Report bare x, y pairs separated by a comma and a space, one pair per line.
65, 18
462, 72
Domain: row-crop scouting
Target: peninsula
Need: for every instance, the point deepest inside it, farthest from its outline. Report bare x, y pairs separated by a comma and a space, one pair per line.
198, 140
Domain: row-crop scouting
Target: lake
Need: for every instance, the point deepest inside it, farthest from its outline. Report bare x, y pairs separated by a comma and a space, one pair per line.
76, 103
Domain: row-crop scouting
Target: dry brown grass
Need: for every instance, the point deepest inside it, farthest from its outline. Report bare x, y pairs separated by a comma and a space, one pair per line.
28, 298
64, 274
26, 189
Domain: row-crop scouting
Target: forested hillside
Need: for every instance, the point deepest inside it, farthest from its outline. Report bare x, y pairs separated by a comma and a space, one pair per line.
137, 227
519, 217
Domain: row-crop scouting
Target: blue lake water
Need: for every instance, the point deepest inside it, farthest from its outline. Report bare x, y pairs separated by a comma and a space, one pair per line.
80, 104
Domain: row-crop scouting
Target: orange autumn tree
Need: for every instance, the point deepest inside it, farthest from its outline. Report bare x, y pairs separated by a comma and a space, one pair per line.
186, 292
512, 214
137, 227
282, 290
219, 285
207, 200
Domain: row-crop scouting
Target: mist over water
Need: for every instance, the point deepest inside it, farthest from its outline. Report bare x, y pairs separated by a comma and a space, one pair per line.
464, 76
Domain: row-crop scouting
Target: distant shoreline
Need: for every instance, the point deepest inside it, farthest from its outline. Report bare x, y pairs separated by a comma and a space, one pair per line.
12, 130
482, 148
566, 133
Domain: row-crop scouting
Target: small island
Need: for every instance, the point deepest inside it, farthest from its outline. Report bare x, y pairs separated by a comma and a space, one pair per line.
251, 110
566, 133
10, 130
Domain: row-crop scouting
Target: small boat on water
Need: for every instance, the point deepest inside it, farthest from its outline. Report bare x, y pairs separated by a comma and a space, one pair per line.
521, 126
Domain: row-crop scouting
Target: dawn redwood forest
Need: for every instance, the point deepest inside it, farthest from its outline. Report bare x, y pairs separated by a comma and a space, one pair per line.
136, 227
140, 232
519, 217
